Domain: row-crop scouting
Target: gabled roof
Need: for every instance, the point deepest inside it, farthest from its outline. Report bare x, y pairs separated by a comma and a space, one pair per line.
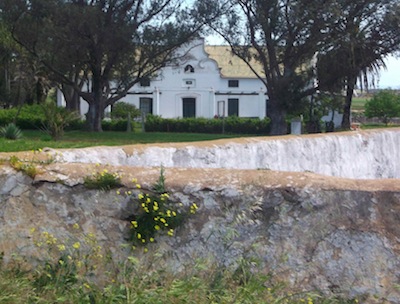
232, 66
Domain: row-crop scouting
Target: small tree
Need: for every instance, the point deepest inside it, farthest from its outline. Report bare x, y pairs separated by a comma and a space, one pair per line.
56, 119
121, 109
385, 105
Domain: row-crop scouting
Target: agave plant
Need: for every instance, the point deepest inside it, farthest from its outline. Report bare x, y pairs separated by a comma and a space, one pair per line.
11, 131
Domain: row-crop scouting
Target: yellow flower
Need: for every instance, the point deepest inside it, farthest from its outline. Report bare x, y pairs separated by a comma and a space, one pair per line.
134, 223
75, 226
151, 240
173, 213
61, 247
143, 241
156, 227
61, 262
140, 196
118, 192
138, 186
86, 285
139, 236
134, 180
145, 250
76, 245
155, 208
32, 230
171, 232
129, 192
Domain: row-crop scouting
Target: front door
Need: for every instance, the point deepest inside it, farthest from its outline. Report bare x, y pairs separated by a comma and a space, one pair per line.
189, 107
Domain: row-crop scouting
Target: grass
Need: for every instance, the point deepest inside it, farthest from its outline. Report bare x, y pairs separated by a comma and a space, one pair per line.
358, 103
135, 283
34, 140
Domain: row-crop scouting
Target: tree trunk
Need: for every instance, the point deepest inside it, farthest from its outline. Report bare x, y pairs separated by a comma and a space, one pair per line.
72, 99
278, 118
351, 82
94, 117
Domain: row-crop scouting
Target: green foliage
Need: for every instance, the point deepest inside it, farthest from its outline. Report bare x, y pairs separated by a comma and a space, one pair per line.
11, 131
28, 168
56, 119
27, 117
232, 124
102, 180
114, 125
156, 213
121, 109
159, 186
64, 277
385, 105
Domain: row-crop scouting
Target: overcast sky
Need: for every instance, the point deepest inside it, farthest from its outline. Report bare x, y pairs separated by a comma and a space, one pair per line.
391, 77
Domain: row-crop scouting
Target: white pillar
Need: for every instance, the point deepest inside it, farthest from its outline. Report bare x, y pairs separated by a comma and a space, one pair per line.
212, 107
262, 105
157, 109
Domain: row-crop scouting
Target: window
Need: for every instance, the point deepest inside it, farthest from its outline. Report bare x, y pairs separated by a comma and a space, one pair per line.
189, 107
145, 82
233, 83
233, 107
146, 105
189, 83
189, 69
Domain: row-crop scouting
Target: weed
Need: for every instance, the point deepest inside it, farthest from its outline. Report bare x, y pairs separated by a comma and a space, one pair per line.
28, 168
103, 180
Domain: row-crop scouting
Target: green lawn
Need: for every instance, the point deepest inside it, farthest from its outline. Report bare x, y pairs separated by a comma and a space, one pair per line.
358, 103
33, 140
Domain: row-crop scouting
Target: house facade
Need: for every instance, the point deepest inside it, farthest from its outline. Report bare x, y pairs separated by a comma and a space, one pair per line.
207, 81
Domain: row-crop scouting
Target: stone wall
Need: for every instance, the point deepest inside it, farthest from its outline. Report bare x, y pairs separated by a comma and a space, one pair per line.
316, 232
365, 154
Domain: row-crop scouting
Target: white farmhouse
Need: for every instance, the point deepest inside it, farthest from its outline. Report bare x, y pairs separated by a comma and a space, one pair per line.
207, 81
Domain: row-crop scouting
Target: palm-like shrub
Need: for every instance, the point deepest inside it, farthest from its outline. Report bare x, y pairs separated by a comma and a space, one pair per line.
11, 131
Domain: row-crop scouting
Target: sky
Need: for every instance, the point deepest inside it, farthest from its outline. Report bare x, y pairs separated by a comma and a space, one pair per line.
390, 78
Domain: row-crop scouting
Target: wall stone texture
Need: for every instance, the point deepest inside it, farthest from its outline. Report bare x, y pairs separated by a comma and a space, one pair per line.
316, 232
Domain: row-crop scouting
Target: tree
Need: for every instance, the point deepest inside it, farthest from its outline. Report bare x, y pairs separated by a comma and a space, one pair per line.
288, 36
22, 78
385, 105
104, 45
365, 33
282, 36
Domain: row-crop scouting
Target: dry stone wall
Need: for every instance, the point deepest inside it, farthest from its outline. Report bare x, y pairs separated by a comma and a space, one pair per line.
315, 232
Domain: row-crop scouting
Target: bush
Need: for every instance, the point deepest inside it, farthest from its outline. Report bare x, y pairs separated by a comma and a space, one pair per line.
56, 119
233, 124
11, 131
28, 117
114, 125
385, 105
121, 109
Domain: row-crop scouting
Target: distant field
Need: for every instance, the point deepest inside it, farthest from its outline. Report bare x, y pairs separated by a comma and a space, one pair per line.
358, 103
